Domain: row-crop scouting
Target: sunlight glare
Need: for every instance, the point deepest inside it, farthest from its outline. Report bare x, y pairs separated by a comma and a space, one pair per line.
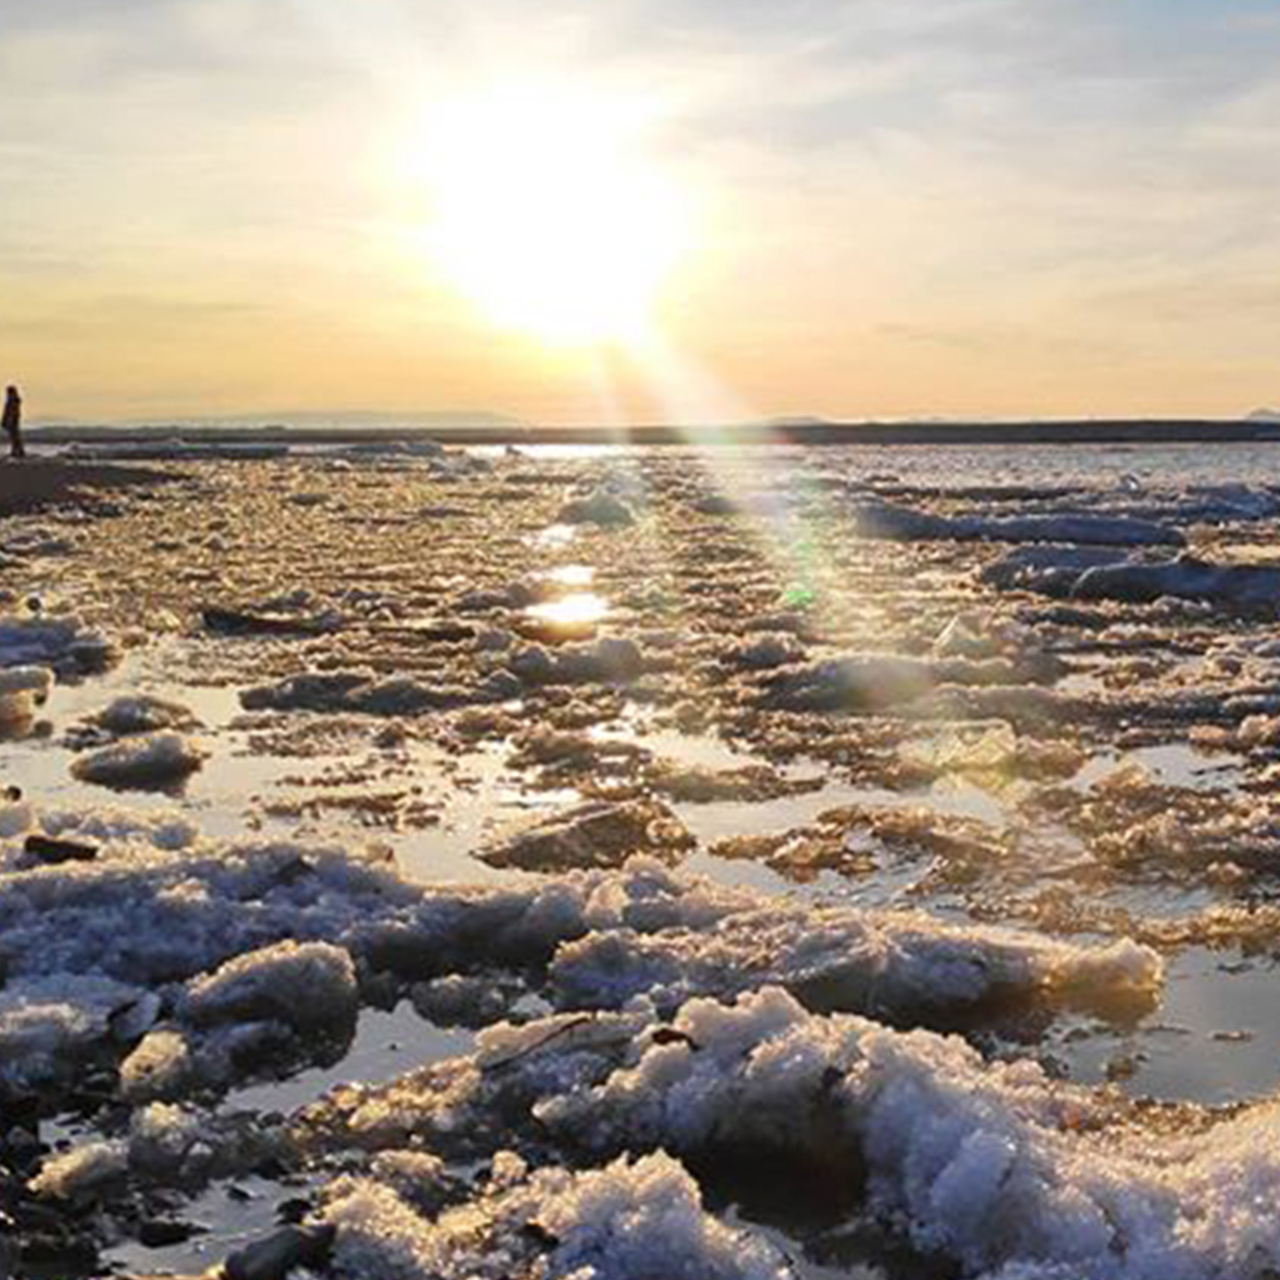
547, 215
569, 610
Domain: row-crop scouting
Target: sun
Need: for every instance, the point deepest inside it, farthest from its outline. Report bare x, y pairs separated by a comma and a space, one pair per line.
546, 213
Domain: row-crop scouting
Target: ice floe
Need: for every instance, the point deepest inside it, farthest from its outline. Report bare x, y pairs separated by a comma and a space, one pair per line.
365, 693
149, 760
594, 835
142, 713
631, 1220
993, 1165
1099, 575
871, 681
600, 508
609, 659
280, 919
883, 521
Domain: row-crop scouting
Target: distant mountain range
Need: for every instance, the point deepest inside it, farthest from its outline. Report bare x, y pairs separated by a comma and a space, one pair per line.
305, 419
1264, 415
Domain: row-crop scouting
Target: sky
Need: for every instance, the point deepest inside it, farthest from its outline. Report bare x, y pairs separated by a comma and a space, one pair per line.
857, 209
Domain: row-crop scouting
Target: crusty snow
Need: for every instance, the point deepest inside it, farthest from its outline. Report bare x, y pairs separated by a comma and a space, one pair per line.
307, 985
1010, 701
993, 1165
632, 1220
281, 919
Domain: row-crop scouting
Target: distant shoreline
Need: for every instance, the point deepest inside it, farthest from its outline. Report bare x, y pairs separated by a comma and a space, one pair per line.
1066, 432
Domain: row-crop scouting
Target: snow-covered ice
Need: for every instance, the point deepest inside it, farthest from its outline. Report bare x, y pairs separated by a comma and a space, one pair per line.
154, 760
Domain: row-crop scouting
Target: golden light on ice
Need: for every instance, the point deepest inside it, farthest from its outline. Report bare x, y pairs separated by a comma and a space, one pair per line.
579, 607
547, 214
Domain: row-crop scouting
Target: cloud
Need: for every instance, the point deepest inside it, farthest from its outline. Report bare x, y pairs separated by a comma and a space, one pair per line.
941, 174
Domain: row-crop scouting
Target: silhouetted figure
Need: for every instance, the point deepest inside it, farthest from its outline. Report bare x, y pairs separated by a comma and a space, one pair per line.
12, 422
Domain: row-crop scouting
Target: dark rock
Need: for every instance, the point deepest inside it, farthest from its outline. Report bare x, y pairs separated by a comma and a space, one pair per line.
279, 1253
51, 851
236, 622
156, 1233
293, 1210
880, 520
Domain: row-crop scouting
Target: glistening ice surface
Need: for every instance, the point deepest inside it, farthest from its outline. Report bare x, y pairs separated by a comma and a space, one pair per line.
626, 863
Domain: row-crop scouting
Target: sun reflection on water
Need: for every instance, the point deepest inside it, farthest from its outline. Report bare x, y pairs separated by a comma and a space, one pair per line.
580, 607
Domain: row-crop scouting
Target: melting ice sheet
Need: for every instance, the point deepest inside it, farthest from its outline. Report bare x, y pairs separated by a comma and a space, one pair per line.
995, 1167
243, 790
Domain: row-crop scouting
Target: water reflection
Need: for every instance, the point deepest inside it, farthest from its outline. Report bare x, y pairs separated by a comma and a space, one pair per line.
572, 575
1213, 1040
572, 610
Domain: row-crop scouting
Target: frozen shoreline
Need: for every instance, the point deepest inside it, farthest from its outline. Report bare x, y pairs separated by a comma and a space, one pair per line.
935, 869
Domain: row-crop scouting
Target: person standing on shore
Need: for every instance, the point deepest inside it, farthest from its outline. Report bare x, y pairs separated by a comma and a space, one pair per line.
12, 422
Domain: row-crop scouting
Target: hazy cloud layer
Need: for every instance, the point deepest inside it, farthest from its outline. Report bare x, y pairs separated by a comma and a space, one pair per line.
945, 206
